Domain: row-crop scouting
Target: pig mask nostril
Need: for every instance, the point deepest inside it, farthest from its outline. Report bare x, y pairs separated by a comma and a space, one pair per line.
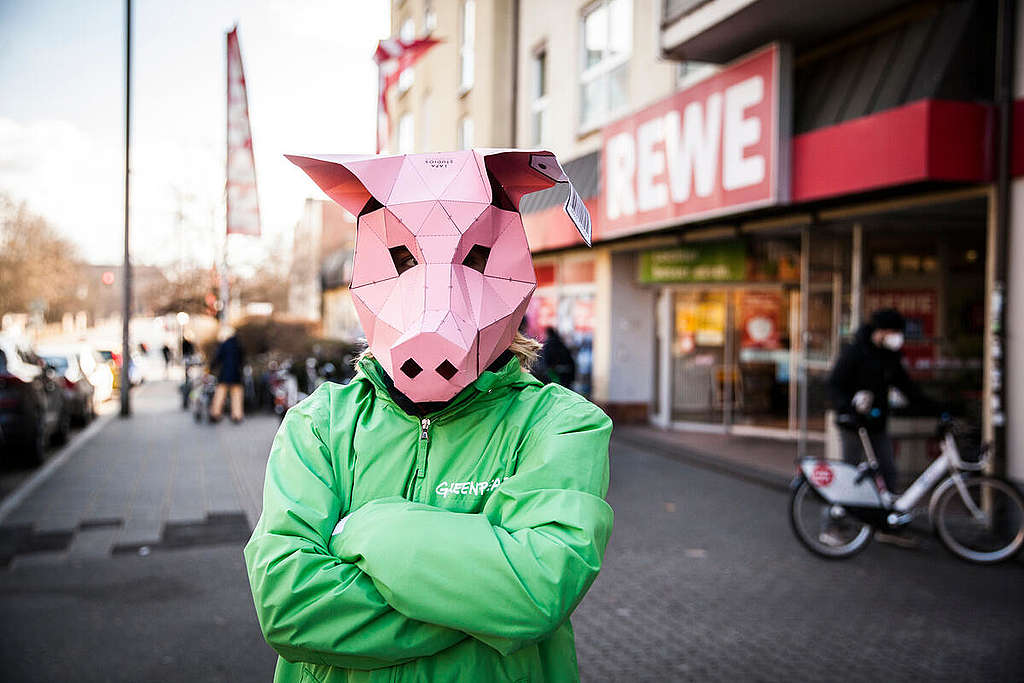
411, 368
446, 370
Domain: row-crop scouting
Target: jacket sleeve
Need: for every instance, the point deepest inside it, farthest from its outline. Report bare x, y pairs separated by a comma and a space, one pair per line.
843, 379
912, 390
512, 574
311, 606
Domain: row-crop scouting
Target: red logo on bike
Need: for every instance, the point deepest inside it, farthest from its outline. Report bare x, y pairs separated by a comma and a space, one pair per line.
822, 475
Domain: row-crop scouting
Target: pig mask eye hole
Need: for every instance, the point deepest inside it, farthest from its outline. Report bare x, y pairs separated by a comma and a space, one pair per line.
370, 206
477, 258
403, 258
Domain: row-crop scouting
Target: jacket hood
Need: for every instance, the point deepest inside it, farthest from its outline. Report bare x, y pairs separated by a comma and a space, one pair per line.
862, 338
863, 335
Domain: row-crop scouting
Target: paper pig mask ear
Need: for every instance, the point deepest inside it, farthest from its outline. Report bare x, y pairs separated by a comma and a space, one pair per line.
442, 272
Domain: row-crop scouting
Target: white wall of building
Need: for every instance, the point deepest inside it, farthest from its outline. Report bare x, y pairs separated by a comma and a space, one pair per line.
624, 339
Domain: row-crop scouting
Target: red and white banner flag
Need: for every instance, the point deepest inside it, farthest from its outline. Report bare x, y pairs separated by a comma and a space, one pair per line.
243, 209
393, 56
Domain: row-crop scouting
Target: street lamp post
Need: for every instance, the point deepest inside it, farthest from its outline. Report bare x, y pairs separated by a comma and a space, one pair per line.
183, 319
126, 315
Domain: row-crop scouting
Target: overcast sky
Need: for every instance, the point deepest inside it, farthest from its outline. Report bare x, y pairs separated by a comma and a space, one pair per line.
312, 88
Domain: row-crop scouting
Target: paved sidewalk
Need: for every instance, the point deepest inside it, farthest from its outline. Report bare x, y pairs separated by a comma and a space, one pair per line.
770, 462
154, 481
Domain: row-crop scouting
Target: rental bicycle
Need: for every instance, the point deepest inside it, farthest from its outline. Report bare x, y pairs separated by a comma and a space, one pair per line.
836, 507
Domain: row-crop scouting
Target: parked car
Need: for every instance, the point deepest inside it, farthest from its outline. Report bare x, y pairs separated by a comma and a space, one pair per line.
113, 360
32, 411
73, 366
101, 376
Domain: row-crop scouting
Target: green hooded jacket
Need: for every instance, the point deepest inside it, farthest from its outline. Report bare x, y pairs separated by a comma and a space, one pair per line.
470, 536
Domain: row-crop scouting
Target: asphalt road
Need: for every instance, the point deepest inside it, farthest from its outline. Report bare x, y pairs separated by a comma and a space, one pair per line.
702, 581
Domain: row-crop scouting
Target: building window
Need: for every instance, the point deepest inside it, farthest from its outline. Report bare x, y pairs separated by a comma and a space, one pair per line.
406, 33
465, 133
406, 134
466, 39
688, 73
607, 30
539, 102
429, 18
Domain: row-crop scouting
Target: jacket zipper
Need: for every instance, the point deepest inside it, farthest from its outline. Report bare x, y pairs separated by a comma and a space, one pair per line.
421, 459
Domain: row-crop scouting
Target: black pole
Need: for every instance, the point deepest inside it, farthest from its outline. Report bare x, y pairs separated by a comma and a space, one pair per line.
1003, 142
126, 314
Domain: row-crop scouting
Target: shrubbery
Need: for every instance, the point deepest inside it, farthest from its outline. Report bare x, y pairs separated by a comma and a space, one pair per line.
268, 338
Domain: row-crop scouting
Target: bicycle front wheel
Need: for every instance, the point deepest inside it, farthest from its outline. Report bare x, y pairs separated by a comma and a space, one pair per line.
982, 524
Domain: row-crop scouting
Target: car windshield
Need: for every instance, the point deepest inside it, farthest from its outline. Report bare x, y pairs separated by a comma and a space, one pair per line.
59, 363
107, 355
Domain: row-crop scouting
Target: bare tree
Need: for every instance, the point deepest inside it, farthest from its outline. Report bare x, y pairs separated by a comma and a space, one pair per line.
188, 291
39, 268
268, 283
191, 289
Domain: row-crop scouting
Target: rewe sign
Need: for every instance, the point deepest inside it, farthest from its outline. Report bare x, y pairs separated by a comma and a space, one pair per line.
717, 147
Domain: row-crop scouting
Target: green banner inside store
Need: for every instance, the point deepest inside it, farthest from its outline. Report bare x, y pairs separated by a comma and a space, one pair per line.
713, 262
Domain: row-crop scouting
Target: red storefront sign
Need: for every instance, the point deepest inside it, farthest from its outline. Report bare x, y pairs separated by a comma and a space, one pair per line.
717, 147
761, 320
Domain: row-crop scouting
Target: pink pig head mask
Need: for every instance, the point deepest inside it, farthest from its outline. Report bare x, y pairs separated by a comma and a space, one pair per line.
442, 272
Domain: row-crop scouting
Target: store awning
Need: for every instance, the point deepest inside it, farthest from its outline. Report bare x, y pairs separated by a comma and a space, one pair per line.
944, 53
547, 226
584, 172
718, 31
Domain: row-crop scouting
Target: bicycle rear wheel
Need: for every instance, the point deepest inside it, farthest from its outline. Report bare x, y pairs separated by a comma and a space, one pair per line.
992, 531
825, 529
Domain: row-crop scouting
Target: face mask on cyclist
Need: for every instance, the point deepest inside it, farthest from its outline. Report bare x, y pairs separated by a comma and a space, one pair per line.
893, 341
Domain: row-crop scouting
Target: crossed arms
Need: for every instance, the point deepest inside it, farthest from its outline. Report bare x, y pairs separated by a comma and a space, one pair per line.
406, 580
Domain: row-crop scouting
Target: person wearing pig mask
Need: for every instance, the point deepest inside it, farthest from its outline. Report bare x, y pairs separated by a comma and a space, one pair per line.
439, 517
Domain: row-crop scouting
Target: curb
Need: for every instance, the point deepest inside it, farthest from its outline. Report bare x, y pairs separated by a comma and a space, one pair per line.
19, 494
753, 475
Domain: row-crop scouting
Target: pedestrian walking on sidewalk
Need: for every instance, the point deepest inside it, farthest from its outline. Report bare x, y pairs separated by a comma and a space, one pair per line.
228, 363
861, 381
168, 354
188, 349
557, 362
433, 517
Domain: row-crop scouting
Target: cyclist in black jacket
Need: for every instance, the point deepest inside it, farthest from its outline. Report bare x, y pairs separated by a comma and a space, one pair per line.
860, 382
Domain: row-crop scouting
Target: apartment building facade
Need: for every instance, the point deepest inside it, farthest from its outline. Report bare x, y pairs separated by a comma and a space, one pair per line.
459, 94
